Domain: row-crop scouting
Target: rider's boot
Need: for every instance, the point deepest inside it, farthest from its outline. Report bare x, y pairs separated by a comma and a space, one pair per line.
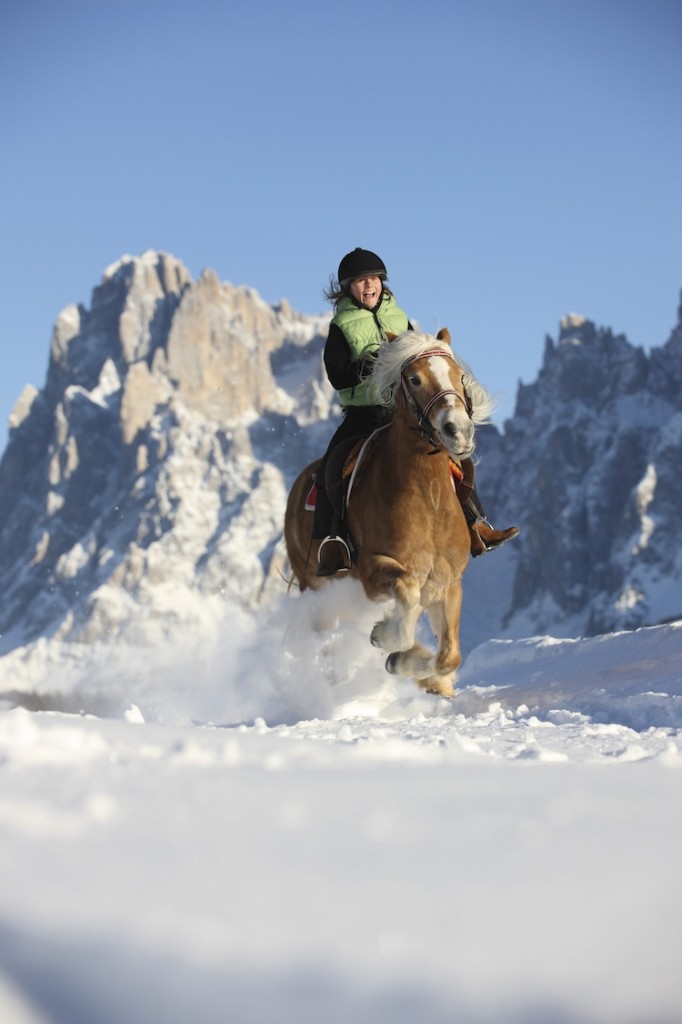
483, 537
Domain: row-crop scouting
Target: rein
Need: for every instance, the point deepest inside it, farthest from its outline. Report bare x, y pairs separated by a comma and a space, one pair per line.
422, 414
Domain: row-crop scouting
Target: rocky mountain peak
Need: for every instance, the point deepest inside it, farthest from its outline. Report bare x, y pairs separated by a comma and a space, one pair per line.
586, 370
138, 444
595, 441
576, 329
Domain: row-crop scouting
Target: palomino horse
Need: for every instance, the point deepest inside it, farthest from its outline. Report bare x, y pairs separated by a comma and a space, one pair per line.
404, 517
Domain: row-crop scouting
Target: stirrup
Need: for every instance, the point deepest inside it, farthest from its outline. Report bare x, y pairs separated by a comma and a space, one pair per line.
331, 570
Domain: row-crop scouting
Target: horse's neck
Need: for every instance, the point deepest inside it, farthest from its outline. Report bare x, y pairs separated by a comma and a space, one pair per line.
405, 444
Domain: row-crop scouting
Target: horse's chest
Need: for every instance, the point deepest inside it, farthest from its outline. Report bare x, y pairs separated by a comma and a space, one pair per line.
432, 495
439, 494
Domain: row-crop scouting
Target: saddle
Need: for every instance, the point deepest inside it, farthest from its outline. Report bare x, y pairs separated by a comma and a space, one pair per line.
340, 465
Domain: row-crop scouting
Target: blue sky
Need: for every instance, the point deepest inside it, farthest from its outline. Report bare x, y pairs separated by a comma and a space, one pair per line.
510, 160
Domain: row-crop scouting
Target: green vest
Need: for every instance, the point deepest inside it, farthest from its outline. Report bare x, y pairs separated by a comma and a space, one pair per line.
364, 330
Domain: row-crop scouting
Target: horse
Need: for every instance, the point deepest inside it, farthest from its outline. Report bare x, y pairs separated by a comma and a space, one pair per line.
408, 530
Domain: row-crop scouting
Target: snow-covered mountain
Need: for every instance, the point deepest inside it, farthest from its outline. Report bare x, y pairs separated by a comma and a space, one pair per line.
144, 482
143, 486
589, 464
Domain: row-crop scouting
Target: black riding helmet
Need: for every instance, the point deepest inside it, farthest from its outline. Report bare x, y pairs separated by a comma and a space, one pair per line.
360, 263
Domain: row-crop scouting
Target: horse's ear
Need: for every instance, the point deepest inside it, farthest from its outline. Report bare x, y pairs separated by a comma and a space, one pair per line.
444, 335
390, 337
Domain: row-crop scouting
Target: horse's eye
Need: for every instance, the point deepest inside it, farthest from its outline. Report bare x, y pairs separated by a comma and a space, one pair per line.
415, 380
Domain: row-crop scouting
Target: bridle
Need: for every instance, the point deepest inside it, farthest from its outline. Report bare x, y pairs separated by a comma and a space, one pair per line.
422, 414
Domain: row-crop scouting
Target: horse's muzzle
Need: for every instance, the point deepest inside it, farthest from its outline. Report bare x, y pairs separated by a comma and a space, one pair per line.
464, 453
458, 440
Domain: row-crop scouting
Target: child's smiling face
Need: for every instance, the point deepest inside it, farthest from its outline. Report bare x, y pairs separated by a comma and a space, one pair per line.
366, 290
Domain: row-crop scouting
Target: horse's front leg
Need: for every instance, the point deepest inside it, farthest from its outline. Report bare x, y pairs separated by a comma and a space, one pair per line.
444, 617
396, 632
385, 578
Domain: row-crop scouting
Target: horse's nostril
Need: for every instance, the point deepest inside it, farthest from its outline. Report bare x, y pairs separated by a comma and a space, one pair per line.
450, 429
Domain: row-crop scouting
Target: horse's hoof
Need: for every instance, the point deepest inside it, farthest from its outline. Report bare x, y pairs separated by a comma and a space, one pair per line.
440, 686
373, 637
443, 696
392, 663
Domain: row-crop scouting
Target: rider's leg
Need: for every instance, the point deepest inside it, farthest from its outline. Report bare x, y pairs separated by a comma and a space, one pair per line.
483, 536
329, 526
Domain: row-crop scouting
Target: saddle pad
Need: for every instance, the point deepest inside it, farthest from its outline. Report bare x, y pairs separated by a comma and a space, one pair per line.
311, 500
456, 471
456, 474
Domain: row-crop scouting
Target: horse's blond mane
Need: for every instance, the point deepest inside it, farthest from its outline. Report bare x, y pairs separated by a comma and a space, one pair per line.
392, 355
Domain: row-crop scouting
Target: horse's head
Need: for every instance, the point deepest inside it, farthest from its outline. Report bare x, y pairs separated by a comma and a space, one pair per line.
421, 373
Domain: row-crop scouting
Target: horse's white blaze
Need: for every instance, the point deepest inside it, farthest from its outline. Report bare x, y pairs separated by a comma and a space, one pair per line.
441, 368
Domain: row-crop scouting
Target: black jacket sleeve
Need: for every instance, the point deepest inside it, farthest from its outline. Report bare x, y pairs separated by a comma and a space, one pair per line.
341, 370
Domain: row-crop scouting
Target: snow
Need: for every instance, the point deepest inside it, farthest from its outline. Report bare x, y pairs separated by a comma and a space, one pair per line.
644, 495
257, 822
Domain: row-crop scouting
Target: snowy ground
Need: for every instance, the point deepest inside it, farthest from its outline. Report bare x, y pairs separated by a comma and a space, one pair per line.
272, 829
